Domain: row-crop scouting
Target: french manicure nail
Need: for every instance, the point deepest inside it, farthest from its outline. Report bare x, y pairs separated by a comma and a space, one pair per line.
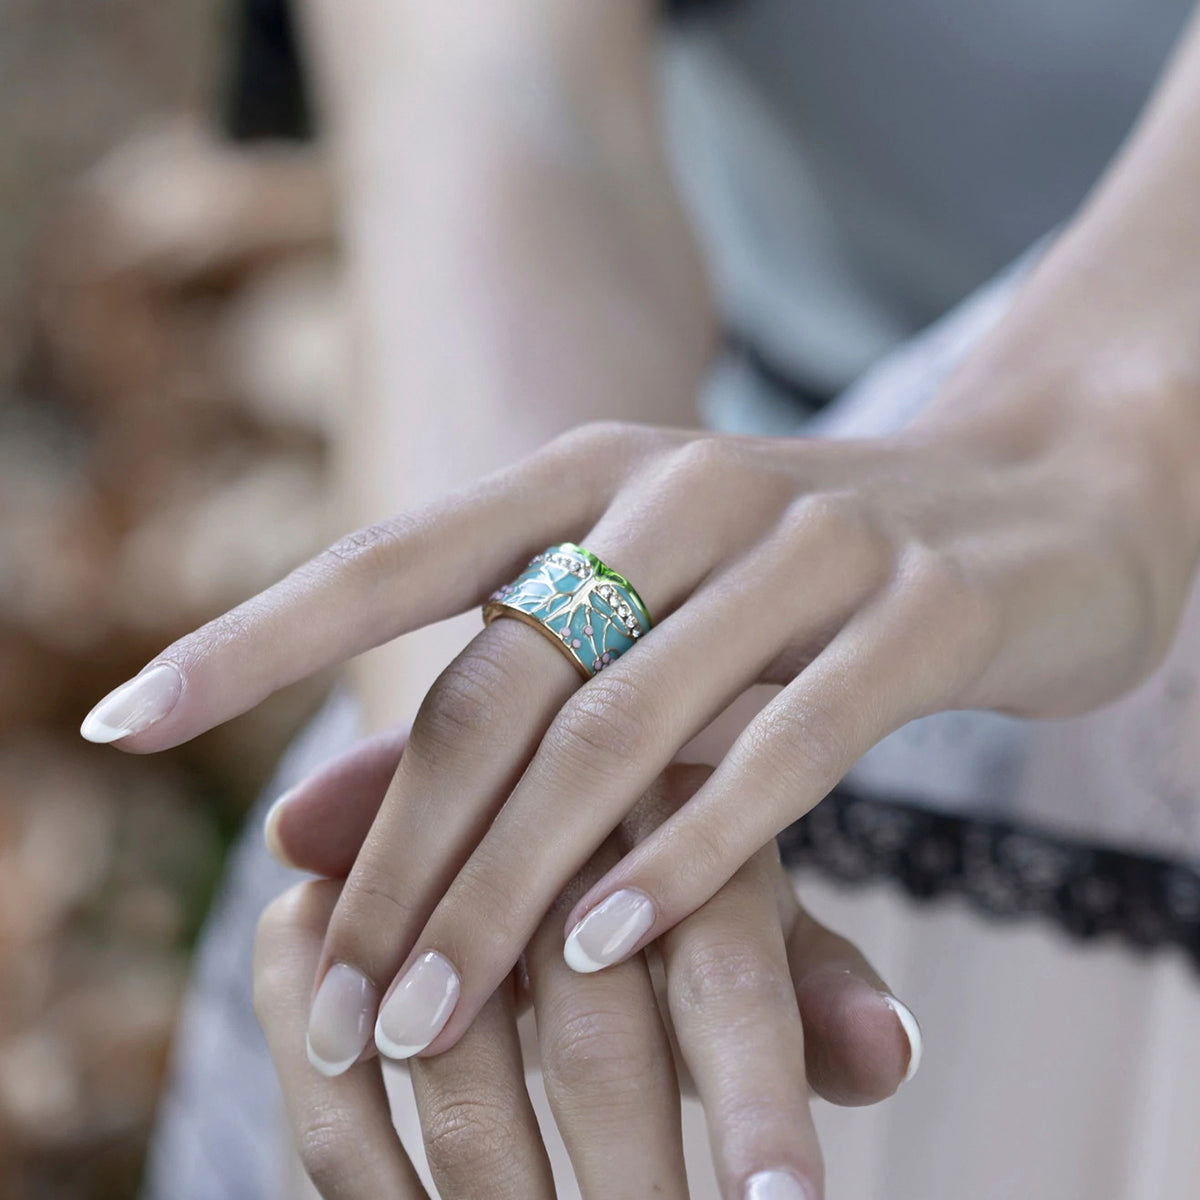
776, 1185
134, 706
413, 1015
271, 830
339, 1022
609, 931
912, 1031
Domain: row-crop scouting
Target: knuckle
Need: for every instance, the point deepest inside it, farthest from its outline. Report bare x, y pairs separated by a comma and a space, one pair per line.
606, 723
373, 549
327, 1145
713, 976
824, 742
594, 438
840, 518
762, 1119
949, 602
597, 1052
461, 706
704, 458
368, 896
468, 1135
710, 849
486, 899
369, 924
808, 743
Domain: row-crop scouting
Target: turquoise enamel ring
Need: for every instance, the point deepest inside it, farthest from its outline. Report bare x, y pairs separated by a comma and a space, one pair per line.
592, 614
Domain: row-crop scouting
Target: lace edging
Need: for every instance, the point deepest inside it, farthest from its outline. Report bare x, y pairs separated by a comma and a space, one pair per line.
1002, 868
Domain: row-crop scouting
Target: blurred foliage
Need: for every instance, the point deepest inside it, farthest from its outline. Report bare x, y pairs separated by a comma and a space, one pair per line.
169, 351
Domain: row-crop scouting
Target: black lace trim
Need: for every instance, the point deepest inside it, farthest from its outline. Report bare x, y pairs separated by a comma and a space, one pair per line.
1002, 868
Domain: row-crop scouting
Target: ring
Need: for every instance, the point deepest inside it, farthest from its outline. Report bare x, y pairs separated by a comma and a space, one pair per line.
592, 614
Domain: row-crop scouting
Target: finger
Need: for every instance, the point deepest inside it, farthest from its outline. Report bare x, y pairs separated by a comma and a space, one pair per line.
739, 1031
861, 1042
366, 589
606, 746
342, 1127
899, 656
471, 740
481, 1134
319, 825
608, 1071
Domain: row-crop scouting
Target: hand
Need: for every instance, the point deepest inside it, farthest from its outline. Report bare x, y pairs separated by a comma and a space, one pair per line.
734, 973
1030, 562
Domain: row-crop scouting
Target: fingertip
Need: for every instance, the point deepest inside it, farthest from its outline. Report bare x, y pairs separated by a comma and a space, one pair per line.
271, 831
861, 1043
135, 706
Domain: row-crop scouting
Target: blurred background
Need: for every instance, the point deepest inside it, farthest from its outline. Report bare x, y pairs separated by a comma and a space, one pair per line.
169, 350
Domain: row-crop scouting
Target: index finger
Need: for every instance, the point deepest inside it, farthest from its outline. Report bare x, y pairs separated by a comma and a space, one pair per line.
367, 588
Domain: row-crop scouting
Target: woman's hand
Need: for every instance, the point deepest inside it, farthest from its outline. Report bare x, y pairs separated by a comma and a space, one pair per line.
735, 971
1033, 561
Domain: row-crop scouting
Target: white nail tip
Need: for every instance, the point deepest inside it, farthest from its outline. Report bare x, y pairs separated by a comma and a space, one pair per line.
328, 1069
391, 1049
609, 931
271, 832
776, 1185
912, 1031
578, 959
95, 730
134, 706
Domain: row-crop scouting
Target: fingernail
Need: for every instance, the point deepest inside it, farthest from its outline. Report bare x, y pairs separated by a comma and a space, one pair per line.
912, 1031
134, 706
339, 1021
271, 830
413, 1015
777, 1185
609, 931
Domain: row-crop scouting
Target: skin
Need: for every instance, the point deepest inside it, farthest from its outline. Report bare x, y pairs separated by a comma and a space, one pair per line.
1025, 545
760, 1002
545, 202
